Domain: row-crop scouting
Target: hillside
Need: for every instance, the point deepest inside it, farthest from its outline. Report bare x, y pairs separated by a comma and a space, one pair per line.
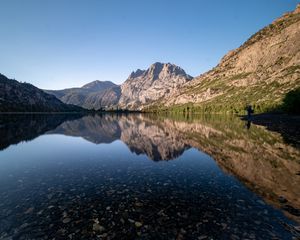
94, 95
260, 72
24, 97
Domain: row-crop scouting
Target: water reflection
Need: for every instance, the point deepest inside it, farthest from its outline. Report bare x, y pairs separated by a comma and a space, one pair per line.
15, 128
162, 195
258, 157
248, 124
141, 134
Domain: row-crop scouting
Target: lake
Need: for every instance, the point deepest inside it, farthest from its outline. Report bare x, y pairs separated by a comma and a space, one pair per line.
142, 176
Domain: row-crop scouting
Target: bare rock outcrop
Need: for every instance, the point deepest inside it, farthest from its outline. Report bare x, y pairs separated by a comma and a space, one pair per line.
146, 86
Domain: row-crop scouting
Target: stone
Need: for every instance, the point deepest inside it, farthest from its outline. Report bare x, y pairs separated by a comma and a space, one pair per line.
66, 220
138, 224
98, 228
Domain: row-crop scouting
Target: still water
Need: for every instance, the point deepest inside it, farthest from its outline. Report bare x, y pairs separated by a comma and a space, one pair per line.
145, 177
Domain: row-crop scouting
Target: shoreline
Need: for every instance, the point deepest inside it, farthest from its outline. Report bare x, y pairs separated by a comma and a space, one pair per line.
287, 125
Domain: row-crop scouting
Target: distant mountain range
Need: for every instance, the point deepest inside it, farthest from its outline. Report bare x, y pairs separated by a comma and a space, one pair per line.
142, 87
261, 72
94, 95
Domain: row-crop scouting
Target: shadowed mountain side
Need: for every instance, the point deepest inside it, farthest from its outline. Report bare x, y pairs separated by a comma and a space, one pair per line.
24, 97
24, 127
94, 95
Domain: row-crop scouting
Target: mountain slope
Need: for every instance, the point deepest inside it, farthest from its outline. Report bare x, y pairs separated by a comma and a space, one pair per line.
146, 86
24, 97
94, 95
260, 72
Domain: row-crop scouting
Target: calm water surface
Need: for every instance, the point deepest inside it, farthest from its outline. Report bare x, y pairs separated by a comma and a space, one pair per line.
145, 177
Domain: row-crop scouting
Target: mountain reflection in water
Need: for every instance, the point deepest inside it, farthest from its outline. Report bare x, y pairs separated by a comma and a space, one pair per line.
256, 157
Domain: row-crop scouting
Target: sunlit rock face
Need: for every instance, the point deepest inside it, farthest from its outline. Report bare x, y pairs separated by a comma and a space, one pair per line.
261, 71
146, 86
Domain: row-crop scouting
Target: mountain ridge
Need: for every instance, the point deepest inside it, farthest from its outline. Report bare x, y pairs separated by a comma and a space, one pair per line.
24, 97
93, 95
259, 72
159, 79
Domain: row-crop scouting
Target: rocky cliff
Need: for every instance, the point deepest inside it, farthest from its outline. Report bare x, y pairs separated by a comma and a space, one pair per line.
24, 97
146, 86
260, 72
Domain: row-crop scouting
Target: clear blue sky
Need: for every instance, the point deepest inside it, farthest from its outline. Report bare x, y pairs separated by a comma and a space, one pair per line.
55, 44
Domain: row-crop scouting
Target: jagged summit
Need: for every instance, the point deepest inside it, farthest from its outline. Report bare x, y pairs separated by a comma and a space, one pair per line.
154, 70
136, 73
145, 86
157, 69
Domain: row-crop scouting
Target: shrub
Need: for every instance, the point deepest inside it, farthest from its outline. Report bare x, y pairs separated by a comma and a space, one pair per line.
291, 101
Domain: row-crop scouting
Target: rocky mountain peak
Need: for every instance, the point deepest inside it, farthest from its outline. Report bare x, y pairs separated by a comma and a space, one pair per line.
158, 70
136, 73
154, 70
98, 85
297, 10
158, 81
173, 69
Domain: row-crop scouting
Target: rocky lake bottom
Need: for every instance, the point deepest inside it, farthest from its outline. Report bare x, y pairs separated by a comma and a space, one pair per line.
145, 177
